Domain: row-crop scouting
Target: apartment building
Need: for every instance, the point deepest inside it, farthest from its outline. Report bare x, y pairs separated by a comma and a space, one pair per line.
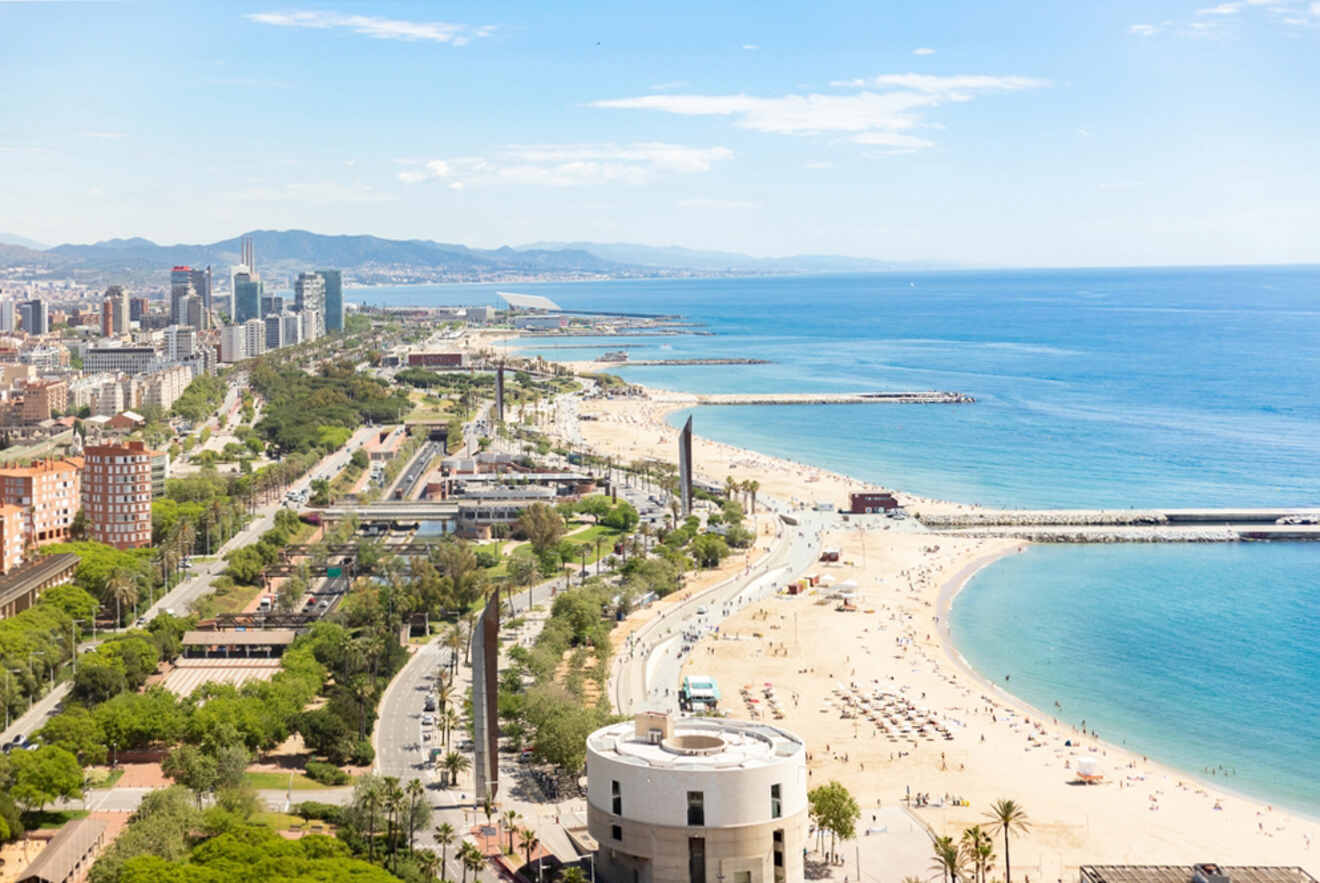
116, 494
42, 398
48, 494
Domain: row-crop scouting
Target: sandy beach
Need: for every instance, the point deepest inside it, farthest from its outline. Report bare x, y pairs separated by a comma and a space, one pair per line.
900, 664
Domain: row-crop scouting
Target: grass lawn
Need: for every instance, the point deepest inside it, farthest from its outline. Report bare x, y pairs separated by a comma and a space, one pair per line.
231, 599
47, 820
104, 778
269, 781
278, 820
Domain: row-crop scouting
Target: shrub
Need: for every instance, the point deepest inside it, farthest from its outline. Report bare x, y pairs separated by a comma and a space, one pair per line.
326, 773
363, 753
325, 812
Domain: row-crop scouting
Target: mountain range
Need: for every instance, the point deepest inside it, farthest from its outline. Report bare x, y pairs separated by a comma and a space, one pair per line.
372, 258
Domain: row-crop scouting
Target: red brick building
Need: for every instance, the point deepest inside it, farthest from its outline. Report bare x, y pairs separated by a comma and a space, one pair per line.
871, 501
435, 360
116, 494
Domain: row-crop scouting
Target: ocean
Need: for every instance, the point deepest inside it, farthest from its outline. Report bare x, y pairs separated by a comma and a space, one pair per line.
1115, 388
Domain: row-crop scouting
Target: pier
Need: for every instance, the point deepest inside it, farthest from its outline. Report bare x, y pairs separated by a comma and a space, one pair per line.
682, 363
1131, 525
928, 397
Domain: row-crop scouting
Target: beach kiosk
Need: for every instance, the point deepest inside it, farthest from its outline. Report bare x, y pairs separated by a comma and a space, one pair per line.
1088, 770
699, 693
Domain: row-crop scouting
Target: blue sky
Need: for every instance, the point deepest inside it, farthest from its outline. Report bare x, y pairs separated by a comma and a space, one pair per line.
1058, 134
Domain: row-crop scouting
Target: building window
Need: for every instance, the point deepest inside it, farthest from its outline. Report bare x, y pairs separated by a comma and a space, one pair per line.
776, 804
696, 808
616, 793
616, 832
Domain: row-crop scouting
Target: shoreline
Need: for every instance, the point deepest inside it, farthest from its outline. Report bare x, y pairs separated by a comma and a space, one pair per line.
789, 479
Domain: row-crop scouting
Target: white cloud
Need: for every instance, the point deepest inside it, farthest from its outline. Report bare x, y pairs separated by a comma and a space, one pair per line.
373, 26
1222, 9
751, 47
310, 193
818, 164
668, 87
1143, 30
896, 140
571, 165
923, 51
891, 103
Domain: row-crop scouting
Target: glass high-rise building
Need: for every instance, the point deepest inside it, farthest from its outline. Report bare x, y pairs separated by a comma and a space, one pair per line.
247, 298
334, 299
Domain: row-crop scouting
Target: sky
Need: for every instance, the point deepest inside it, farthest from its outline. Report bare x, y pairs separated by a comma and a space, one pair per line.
1005, 134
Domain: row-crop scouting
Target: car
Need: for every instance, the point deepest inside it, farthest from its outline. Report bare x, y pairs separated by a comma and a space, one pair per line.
703, 610
426, 735
466, 745
427, 719
429, 704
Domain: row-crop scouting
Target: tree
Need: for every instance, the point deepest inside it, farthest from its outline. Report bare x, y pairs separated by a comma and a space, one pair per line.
44, 775
948, 860
457, 561
416, 793
835, 810
444, 836
430, 864
123, 589
454, 763
572, 874
1008, 816
528, 840
978, 852
290, 594
193, 768
709, 549
510, 824
472, 860
78, 732
542, 525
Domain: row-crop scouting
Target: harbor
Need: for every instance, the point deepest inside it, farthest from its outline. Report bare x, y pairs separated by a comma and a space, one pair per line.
1130, 526
924, 397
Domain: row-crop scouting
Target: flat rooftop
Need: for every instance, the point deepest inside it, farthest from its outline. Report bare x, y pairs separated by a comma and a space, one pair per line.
1184, 873
255, 638
724, 744
527, 301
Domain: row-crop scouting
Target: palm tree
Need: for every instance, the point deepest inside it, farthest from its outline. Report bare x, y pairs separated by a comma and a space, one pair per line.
451, 721
947, 859
393, 805
444, 835
416, 791
430, 865
510, 818
528, 840
444, 691
122, 586
752, 487
372, 796
1009, 817
472, 860
454, 763
730, 487
978, 851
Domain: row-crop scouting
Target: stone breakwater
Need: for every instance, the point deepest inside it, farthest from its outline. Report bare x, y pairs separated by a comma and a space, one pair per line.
1099, 534
930, 397
1040, 517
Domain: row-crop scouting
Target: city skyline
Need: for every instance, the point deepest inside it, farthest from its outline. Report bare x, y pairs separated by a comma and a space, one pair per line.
1166, 133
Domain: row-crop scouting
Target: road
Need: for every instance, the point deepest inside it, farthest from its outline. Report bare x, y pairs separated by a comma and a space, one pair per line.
646, 670
198, 583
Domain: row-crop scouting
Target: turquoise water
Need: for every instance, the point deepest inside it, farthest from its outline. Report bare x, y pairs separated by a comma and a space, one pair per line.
1094, 388
1199, 656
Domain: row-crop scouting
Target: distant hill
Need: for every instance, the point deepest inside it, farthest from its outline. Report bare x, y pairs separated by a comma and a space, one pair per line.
15, 239
371, 259
675, 257
287, 250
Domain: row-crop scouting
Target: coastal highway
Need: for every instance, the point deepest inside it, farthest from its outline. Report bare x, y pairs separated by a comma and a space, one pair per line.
198, 583
646, 674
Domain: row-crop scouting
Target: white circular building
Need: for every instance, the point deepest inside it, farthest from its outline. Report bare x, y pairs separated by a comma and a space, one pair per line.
696, 800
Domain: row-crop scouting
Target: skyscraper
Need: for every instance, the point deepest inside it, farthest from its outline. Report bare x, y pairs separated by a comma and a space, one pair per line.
274, 331
309, 297
115, 312
194, 313
254, 337
247, 297
8, 318
181, 285
334, 299
35, 318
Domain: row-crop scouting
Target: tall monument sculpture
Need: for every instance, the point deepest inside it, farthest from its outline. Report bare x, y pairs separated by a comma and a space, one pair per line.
685, 467
485, 700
